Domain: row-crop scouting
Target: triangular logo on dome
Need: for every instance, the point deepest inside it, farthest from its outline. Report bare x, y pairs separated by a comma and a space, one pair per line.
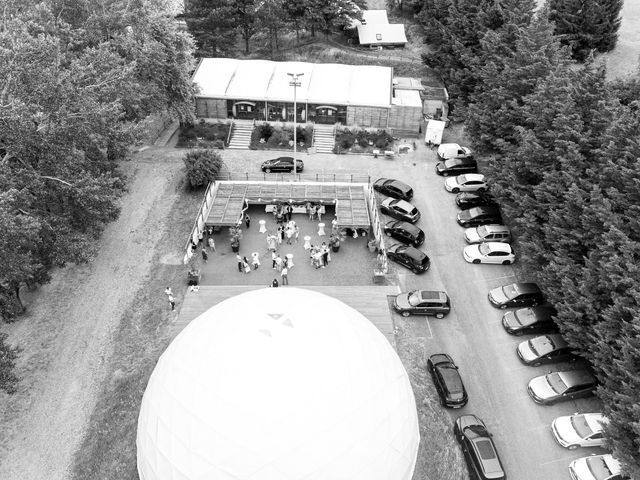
265, 332
275, 316
287, 322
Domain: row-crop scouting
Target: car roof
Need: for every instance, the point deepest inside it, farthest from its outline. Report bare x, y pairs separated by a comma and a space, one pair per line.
402, 204
491, 210
494, 228
526, 287
409, 227
555, 338
472, 176
285, 159
499, 246
460, 161
432, 295
415, 253
439, 358
577, 377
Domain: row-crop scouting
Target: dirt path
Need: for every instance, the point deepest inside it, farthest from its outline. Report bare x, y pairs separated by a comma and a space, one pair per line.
67, 335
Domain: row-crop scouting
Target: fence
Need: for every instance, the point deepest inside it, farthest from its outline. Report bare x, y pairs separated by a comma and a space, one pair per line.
300, 177
198, 224
377, 230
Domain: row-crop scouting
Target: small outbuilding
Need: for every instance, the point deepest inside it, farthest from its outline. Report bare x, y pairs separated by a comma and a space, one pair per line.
375, 30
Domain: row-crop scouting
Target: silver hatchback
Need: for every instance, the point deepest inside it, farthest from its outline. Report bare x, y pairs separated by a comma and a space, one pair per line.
487, 233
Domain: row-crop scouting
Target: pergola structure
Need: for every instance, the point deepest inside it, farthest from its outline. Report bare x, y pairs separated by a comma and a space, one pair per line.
231, 198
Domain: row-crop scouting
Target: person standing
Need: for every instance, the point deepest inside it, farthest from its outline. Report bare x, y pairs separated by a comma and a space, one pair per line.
245, 265
255, 260
289, 212
284, 274
312, 213
212, 244
239, 259
280, 234
247, 220
205, 257
168, 291
279, 263
273, 259
296, 232
172, 302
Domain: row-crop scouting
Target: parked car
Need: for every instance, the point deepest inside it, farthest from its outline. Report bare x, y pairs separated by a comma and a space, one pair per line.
456, 166
400, 210
596, 467
516, 295
579, 430
393, 188
447, 151
422, 302
530, 320
478, 448
561, 386
487, 233
405, 232
447, 381
476, 216
470, 182
544, 349
282, 164
410, 257
489, 252
466, 200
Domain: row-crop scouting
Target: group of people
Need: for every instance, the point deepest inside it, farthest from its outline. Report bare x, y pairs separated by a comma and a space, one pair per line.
319, 255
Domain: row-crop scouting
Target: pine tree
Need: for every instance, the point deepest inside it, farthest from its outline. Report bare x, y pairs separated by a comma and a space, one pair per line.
213, 26
586, 25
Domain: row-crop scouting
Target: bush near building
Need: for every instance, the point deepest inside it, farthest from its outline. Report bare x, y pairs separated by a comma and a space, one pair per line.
203, 166
266, 136
204, 135
362, 141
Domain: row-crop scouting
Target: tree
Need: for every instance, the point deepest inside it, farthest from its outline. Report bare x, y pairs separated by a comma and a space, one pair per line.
246, 19
8, 356
212, 24
332, 15
586, 25
203, 166
512, 61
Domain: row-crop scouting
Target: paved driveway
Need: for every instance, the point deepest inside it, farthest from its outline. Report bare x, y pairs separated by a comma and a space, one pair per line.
472, 333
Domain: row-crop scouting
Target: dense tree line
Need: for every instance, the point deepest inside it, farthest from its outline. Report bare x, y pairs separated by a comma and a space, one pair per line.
216, 25
564, 148
75, 78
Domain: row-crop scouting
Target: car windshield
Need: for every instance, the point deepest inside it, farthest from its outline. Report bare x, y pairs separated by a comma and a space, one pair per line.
462, 179
414, 298
509, 291
541, 345
580, 425
484, 249
555, 382
598, 467
451, 379
451, 163
524, 316
482, 231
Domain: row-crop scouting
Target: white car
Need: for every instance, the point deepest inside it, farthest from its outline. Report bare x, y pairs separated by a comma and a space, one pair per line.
579, 430
596, 467
447, 151
469, 182
489, 252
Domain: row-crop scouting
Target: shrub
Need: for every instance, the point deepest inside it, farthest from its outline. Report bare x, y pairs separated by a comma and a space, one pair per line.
381, 139
279, 137
189, 134
266, 130
347, 140
362, 138
203, 166
8, 355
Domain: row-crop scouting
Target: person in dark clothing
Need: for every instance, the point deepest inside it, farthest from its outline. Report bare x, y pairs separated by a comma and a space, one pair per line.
247, 220
274, 283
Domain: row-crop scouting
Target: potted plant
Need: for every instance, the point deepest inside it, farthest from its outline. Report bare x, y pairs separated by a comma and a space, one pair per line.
235, 235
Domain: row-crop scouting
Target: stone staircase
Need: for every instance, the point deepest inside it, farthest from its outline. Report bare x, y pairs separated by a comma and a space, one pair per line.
324, 138
241, 134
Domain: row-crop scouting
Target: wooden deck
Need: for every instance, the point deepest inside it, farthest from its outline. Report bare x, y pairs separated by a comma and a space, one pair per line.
371, 301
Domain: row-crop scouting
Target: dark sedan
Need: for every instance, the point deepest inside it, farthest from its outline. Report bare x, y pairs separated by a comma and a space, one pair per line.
476, 216
545, 349
400, 210
447, 381
281, 164
410, 257
466, 200
530, 320
557, 387
478, 448
422, 302
393, 188
456, 166
516, 295
405, 232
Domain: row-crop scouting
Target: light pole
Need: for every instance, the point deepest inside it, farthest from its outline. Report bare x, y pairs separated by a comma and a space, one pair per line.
295, 83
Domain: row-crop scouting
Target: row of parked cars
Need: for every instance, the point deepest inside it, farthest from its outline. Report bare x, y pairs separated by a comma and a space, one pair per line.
487, 238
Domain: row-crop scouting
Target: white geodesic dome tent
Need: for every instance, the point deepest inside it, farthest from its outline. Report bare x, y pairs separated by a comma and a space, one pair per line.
278, 384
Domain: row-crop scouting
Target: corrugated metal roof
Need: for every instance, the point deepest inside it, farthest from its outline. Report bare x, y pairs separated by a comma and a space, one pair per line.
323, 83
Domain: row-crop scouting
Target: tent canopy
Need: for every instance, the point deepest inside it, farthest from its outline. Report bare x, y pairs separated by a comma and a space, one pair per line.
322, 83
